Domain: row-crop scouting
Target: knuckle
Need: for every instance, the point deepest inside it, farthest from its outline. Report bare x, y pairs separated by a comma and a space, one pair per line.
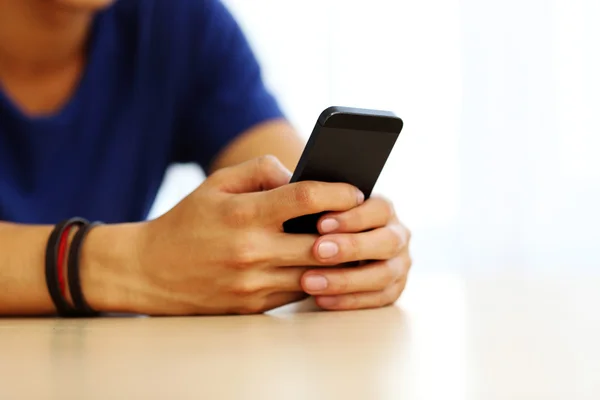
388, 274
352, 301
383, 208
244, 253
267, 162
351, 195
386, 298
353, 219
305, 195
343, 284
351, 251
242, 258
245, 287
390, 211
396, 241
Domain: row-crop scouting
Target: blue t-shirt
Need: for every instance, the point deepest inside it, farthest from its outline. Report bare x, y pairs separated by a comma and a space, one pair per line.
166, 82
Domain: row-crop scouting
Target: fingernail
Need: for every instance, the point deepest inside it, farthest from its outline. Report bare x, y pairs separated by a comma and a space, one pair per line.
315, 283
328, 249
329, 225
360, 197
327, 301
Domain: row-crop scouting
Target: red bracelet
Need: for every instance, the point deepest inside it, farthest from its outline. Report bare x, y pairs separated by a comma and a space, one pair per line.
62, 248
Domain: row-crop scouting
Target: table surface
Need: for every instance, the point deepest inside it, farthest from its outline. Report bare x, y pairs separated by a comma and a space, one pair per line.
448, 338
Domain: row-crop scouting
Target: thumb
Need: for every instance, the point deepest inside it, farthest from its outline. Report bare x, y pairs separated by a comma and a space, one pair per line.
256, 175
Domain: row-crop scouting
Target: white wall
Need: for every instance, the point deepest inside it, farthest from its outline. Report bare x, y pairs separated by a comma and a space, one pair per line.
498, 164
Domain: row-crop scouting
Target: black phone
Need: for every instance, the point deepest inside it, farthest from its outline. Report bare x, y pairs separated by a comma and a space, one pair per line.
348, 145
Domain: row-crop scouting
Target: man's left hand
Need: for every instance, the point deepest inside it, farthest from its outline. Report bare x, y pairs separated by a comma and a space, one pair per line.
371, 228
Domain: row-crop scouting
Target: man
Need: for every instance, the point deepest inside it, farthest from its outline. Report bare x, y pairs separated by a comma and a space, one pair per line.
97, 98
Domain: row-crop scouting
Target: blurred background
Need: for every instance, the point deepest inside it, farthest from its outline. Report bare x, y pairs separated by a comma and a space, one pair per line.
498, 167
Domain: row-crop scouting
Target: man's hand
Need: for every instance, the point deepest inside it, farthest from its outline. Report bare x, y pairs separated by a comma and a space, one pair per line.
222, 249
378, 283
370, 231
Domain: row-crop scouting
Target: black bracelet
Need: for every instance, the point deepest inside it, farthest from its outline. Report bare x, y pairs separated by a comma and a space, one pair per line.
79, 301
63, 308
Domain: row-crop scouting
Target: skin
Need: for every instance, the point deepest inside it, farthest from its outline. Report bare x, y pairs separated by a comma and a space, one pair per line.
221, 250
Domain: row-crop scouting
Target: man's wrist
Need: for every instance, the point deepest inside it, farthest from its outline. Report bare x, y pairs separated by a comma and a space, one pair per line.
110, 268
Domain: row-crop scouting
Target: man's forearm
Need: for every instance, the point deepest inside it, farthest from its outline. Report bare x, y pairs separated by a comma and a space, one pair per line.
22, 282
107, 268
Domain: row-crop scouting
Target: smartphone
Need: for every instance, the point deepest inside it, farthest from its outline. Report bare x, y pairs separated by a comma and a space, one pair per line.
348, 145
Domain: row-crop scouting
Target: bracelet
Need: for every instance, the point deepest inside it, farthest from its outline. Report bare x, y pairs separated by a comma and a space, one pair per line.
77, 296
53, 283
62, 247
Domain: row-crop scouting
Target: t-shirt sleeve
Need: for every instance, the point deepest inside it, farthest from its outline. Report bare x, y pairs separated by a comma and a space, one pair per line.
229, 95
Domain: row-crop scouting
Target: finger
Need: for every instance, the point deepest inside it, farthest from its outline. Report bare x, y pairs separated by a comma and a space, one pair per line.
374, 213
263, 173
369, 278
379, 244
365, 300
285, 279
287, 250
309, 197
310, 250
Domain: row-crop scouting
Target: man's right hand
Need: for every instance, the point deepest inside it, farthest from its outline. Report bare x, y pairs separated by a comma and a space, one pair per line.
222, 249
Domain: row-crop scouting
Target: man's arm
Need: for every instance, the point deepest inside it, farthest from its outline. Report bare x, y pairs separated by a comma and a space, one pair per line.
106, 260
276, 138
231, 116
22, 283
195, 259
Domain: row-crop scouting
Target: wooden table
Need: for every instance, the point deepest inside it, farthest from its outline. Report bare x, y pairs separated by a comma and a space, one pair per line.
448, 338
